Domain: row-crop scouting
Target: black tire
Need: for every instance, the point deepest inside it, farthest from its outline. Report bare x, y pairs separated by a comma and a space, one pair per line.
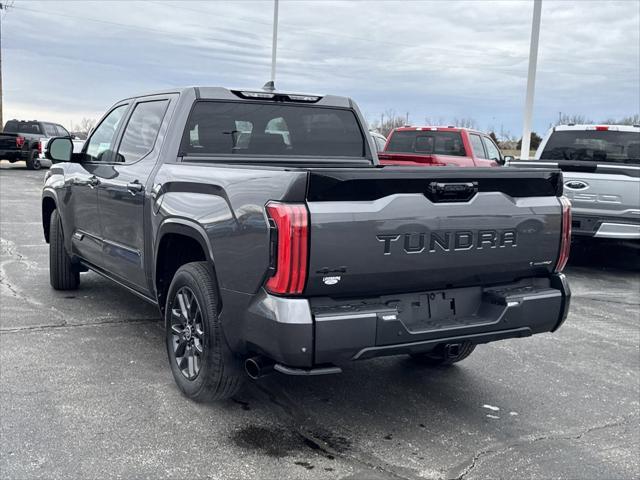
437, 357
62, 273
33, 162
212, 372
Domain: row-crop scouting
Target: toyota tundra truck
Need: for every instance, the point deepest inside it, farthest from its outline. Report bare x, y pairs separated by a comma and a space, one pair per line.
263, 227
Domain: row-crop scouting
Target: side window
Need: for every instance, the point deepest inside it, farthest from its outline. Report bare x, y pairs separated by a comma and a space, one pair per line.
476, 144
50, 130
62, 132
142, 130
492, 151
380, 143
103, 136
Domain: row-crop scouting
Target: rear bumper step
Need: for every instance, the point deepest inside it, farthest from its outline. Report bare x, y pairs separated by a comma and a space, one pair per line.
311, 336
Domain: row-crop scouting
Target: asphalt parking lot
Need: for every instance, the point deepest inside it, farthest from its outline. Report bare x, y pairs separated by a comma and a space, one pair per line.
86, 391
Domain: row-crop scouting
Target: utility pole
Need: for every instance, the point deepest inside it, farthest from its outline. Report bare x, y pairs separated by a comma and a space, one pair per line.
531, 79
271, 84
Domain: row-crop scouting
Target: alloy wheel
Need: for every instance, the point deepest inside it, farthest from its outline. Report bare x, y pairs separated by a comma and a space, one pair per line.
187, 331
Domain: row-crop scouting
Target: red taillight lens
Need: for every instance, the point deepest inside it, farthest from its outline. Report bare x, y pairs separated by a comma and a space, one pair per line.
565, 243
291, 222
600, 128
19, 142
40, 148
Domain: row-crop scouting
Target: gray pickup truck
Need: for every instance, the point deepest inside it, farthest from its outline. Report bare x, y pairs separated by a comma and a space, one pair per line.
270, 238
601, 169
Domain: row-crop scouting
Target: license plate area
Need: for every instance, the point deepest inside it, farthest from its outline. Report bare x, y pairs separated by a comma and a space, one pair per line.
435, 311
421, 314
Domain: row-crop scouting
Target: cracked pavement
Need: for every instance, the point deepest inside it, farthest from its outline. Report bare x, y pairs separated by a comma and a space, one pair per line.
86, 391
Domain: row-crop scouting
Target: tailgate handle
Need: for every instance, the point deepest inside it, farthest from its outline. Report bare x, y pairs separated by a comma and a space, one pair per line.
451, 192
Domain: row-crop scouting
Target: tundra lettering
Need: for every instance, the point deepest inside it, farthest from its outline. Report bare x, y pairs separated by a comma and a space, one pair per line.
462, 240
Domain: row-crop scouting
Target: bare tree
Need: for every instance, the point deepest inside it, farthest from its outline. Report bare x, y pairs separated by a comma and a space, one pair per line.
577, 119
85, 126
630, 120
435, 121
388, 121
465, 122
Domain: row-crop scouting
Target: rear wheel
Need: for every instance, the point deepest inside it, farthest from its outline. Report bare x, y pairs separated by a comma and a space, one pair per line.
444, 355
201, 363
33, 162
63, 275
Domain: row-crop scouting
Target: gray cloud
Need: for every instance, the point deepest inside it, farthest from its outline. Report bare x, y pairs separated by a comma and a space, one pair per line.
433, 59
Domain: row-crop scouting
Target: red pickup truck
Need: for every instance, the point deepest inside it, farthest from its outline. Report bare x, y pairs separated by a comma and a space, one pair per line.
440, 146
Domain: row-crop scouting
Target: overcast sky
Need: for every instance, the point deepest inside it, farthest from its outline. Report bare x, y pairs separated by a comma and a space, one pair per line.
62, 61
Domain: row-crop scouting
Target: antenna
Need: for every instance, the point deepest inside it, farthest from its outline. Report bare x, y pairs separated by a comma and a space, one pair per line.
269, 86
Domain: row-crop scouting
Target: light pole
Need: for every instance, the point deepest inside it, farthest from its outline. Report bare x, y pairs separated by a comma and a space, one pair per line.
531, 79
271, 84
1, 117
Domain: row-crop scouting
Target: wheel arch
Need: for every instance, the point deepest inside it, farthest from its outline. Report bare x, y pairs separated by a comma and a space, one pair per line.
195, 246
49, 204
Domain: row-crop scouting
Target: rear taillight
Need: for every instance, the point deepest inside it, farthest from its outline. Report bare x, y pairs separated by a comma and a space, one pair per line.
19, 142
601, 128
565, 243
290, 237
40, 148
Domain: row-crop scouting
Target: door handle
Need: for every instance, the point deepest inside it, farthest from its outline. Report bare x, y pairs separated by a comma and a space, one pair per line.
93, 181
134, 187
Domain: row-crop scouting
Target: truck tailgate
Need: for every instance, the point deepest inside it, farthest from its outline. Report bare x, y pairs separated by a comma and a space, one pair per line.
389, 230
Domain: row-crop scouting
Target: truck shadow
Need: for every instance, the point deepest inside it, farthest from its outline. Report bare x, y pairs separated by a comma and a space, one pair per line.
385, 397
605, 255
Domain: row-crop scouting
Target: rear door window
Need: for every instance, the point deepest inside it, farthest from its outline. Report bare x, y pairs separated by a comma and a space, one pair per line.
62, 132
476, 145
492, 151
142, 130
426, 143
50, 130
259, 129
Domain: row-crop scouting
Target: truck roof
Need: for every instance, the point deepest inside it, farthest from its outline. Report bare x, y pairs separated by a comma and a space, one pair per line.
449, 128
223, 93
618, 128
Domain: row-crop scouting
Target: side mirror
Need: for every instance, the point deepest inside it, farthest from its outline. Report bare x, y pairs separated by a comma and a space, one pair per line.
59, 149
507, 159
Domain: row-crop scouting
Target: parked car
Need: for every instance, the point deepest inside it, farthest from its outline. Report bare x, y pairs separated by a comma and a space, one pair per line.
379, 139
26, 141
440, 146
601, 168
298, 256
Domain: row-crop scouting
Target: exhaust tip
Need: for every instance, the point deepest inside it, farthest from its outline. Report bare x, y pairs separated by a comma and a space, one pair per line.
257, 367
252, 368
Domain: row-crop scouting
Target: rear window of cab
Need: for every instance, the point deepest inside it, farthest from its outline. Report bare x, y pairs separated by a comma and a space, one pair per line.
425, 142
273, 129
